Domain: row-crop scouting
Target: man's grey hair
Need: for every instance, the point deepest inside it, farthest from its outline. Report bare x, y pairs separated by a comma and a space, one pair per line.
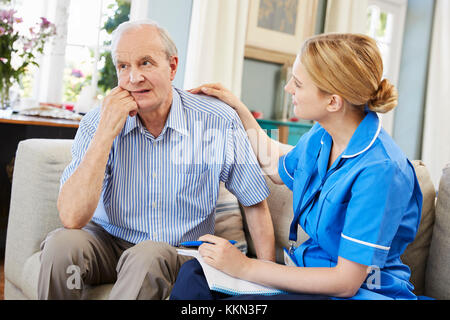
169, 46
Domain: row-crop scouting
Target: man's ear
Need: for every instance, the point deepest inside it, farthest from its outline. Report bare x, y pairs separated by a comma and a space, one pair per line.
335, 103
173, 64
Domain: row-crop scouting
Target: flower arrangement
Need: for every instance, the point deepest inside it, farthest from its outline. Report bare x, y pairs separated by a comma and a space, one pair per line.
18, 49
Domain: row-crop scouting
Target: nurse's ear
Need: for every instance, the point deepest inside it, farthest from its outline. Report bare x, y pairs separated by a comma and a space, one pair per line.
335, 103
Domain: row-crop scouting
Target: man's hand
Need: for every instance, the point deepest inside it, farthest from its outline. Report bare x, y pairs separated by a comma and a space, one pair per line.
116, 107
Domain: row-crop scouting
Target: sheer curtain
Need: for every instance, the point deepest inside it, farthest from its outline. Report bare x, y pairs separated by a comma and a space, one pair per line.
346, 16
216, 43
436, 137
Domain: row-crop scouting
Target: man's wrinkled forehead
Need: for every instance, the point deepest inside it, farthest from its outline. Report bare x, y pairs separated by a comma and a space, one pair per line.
136, 43
138, 54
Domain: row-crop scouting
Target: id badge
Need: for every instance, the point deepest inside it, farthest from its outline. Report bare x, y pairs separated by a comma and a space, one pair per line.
289, 260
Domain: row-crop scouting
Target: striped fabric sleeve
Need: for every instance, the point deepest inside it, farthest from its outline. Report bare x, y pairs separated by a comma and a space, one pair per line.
83, 137
244, 177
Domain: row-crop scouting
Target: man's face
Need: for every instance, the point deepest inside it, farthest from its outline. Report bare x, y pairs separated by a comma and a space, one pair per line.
143, 68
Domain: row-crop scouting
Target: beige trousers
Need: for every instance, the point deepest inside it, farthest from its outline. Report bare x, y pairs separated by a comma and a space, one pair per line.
72, 258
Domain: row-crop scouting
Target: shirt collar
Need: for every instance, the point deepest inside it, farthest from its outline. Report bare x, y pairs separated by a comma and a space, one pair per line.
176, 119
130, 124
364, 136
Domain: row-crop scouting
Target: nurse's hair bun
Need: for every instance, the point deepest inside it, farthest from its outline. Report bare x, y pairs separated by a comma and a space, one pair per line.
385, 98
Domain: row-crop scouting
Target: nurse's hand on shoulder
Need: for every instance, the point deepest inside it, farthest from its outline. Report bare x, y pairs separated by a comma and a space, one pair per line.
222, 255
116, 107
218, 91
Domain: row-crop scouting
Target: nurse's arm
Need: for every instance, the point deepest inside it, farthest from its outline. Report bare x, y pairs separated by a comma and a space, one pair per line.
267, 150
343, 280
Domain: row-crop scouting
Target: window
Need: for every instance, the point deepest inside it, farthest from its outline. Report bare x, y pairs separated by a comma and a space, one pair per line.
31, 12
75, 58
385, 23
85, 42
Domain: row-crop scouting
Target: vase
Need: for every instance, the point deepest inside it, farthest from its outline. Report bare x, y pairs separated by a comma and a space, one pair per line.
5, 102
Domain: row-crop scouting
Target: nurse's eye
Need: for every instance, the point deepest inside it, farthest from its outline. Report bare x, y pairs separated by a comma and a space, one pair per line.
122, 66
297, 84
146, 63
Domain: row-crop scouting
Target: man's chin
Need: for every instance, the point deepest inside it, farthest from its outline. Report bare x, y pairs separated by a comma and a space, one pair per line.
145, 106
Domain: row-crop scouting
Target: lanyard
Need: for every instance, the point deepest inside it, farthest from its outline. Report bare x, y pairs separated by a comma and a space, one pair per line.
298, 212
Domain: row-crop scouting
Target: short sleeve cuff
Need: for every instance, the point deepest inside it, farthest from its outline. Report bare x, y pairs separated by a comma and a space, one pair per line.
363, 252
262, 194
285, 176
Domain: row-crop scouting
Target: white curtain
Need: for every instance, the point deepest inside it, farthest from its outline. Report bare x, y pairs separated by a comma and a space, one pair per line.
216, 43
49, 79
436, 137
139, 10
346, 16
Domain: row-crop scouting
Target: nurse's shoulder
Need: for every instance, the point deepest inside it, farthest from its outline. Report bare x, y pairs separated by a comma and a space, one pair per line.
386, 151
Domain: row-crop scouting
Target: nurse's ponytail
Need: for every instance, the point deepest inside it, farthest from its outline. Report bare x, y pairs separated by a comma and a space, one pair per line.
349, 65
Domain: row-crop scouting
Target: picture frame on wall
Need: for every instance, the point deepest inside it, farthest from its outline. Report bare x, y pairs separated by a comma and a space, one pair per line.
276, 30
279, 27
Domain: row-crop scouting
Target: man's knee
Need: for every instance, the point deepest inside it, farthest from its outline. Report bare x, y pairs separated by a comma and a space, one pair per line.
63, 245
148, 255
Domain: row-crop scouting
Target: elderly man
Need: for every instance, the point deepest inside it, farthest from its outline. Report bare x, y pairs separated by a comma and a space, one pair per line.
145, 176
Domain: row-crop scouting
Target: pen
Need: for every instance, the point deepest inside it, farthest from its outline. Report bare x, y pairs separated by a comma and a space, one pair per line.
198, 243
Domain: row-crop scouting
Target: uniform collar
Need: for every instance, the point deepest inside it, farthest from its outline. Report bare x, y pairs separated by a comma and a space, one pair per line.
364, 137
176, 119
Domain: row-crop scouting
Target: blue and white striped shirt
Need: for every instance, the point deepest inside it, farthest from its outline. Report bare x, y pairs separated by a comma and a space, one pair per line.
166, 188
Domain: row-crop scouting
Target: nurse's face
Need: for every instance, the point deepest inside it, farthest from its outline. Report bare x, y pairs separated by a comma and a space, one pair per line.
309, 102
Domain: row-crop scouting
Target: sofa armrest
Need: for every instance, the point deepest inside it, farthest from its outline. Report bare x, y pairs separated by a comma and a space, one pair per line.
38, 167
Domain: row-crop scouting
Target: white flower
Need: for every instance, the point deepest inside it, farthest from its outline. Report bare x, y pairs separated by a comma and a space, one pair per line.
16, 62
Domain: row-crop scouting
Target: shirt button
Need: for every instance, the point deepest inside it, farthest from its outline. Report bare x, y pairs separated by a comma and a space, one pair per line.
154, 175
154, 205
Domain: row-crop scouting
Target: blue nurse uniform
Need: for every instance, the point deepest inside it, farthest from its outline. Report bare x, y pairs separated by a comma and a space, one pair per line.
365, 208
